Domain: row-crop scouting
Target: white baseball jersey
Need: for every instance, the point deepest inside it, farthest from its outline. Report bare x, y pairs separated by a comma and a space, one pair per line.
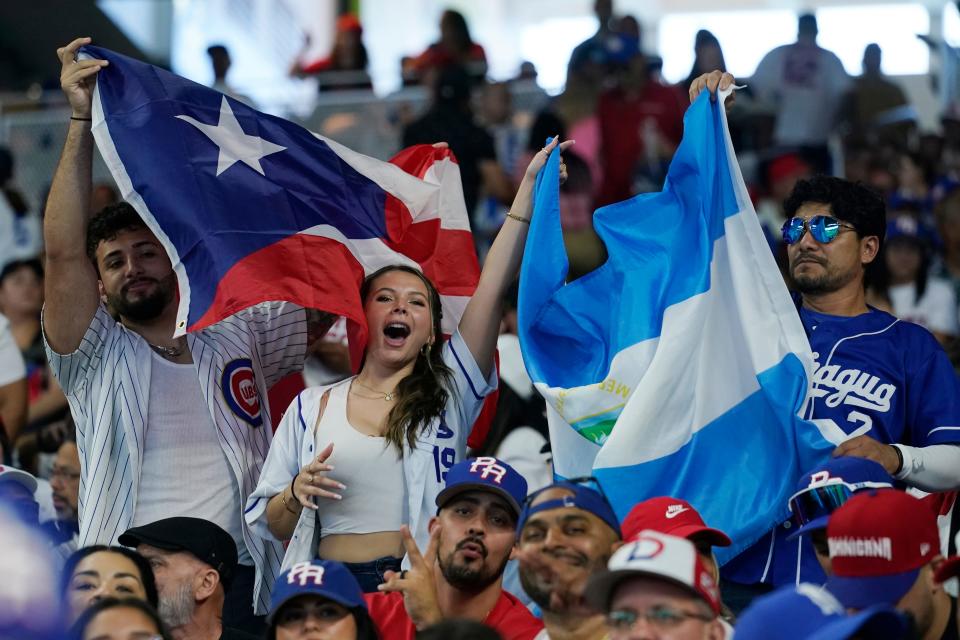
107, 382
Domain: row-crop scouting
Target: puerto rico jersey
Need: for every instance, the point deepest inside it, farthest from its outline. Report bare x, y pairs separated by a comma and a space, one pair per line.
874, 375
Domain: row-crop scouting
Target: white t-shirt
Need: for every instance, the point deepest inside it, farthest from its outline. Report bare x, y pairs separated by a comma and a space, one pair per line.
935, 311
11, 362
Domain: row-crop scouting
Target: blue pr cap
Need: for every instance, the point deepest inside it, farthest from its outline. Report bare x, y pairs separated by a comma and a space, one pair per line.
812, 506
324, 578
581, 497
485, 473
809, 612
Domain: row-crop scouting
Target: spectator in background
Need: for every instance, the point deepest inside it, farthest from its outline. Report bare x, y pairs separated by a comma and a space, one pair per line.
450, 118
593, 54
574, 110
319, 599
806, 84
454, 49
220, 61
707, 56
346, 66
870, 101
21, 300
20, 234
193, 561
65, 483
120, 619
946, 264
97, 572
13, 389
641, 123
101, 196
903, 283
17, 489
567, 531
782, 175
916, 177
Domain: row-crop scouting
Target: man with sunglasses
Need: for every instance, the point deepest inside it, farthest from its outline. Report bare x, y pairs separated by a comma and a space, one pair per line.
822, 491
882, 389
657, 587
567, 531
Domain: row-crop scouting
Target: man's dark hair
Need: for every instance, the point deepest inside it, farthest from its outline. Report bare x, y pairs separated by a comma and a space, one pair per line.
109, 223
459, 630
849, 201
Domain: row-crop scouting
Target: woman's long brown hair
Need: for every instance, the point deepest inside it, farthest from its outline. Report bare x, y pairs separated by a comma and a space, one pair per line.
422, 395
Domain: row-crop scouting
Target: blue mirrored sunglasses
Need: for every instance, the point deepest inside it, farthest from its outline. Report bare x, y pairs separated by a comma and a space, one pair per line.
817, 502
823, 229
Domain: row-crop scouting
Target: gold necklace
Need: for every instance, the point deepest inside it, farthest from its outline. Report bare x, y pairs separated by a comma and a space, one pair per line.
386, 396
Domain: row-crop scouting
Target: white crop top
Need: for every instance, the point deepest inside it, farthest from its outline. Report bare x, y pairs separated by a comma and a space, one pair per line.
370, 467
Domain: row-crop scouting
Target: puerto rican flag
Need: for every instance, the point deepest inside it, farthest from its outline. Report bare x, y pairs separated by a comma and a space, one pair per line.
251, 207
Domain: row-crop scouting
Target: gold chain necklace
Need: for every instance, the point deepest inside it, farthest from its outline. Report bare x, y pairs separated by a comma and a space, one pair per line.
386, 396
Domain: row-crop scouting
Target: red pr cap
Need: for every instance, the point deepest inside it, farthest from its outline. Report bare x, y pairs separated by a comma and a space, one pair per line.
673, 516
879, 540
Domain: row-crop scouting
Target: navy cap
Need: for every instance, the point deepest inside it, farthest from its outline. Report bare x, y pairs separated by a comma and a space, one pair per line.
585, 498
808, 612
325, 578
485, 473
202, 538
856, 473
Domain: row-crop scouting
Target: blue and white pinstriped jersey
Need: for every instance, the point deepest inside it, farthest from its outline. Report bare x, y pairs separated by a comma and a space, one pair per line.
107, 382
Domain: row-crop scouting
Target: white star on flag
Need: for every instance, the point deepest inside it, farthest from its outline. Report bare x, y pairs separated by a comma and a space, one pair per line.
235, 145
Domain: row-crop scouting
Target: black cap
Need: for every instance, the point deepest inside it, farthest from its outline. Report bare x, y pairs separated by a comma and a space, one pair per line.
205, 540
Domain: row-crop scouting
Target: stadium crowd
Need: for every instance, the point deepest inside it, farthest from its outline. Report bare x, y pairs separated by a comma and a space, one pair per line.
138, 498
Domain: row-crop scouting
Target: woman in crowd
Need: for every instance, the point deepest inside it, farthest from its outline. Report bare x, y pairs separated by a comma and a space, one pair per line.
455, 47
321, 599
388, 435
97, 572
120, 619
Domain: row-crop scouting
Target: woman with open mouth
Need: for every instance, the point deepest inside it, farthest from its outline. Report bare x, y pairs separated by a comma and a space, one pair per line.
353, 461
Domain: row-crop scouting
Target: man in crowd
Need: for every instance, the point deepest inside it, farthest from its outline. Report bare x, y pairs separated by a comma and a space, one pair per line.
806, 84
823, 490
658, 586
460, 575
567, 531
13, 389
166, 426
193, 561
17, 489
878, 382
65, 484
885, 550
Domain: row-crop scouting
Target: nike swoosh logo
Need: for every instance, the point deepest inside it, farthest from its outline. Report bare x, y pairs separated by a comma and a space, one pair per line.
671, 515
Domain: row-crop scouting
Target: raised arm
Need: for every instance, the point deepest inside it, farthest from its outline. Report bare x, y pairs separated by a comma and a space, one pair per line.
480, 323
71, 280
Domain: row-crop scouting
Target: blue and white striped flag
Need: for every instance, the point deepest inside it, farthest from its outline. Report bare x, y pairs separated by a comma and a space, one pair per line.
678, 367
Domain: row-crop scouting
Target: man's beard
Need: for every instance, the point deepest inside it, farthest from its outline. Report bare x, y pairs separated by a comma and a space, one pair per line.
828, 281
469, 578
177, 608
147, 307
557, 593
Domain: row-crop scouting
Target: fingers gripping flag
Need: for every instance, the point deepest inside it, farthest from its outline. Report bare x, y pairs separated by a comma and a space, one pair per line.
251, 207
678, 366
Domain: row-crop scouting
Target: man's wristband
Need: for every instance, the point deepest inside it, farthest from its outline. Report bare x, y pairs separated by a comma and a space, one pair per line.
899, 460
81, 119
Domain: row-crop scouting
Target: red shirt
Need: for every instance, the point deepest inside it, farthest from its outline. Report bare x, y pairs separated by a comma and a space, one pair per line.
509, 617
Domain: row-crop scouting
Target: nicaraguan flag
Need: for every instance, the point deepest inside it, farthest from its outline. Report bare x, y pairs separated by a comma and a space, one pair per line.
251, 207
678, 366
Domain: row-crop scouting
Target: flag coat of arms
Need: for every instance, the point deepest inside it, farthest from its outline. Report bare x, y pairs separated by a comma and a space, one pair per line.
252, 207
678, 366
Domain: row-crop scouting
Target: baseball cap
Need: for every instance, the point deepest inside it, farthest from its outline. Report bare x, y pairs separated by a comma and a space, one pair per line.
581, 497
485, 473
674, 516
879, 540
824, 488
202, 538
325, 578
807, 611
11, 474
657, 555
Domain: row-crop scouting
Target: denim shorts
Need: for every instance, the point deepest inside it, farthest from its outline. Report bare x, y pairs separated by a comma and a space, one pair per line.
370, 574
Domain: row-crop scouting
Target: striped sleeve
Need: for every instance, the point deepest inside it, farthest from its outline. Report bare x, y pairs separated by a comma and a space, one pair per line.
74, 369
280, 331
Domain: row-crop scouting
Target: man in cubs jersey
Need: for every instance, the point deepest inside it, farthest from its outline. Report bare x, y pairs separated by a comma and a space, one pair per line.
165, 427
882, 388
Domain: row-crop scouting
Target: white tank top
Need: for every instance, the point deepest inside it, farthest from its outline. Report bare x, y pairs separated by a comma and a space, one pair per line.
370, 467
185, 471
